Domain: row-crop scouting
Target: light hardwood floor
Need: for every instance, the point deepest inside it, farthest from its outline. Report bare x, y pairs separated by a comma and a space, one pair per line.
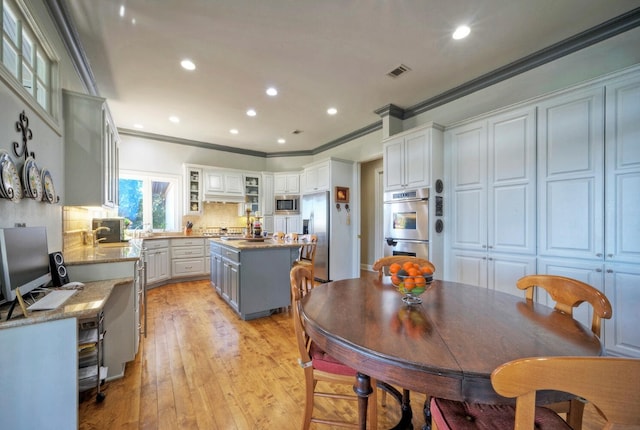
201, 367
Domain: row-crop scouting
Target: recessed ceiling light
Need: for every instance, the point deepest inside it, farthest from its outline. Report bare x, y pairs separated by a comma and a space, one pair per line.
281, 141
121, 10
271, 91
461, 32
174, 119
251, 112
188, 64
332, 111
234, 131
140, 126
133, 21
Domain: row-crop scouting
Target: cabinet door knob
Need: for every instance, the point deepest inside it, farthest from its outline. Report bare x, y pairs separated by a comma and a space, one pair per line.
610, 255
598, 270
599, 254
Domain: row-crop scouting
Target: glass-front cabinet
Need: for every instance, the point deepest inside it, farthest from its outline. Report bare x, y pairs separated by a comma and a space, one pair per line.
193, 192
252, 192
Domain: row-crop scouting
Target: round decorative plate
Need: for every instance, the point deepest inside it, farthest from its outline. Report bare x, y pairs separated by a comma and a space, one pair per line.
10, 179
32, 179
48, 188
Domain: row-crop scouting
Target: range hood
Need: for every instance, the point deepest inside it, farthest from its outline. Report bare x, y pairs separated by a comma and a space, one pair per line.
224, 198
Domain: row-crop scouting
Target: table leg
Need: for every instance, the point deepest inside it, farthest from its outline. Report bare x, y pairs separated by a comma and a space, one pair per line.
363, 389
427, 414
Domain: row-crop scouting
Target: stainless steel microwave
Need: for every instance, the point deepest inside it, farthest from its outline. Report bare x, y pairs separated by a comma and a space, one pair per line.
287, 205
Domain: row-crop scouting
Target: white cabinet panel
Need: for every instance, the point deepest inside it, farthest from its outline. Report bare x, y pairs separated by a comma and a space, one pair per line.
622, 288
317, 178
622, 179
495, 271
267, 195
286, 183
570, 175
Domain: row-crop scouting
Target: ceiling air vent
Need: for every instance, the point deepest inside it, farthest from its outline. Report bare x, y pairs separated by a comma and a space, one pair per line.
401, 69
296, 132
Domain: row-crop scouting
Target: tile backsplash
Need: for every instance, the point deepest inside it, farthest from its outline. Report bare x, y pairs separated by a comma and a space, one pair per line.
216, 215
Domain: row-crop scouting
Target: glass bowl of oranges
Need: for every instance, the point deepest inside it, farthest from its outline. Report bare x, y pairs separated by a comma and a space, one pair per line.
411, 280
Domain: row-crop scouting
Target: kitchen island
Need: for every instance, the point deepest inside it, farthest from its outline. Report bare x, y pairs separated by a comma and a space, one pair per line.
252, 276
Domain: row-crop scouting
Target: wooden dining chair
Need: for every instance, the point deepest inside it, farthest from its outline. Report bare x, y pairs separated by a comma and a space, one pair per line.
318, 365
279, 236
307, 252
291, 237
568, 293
608, 383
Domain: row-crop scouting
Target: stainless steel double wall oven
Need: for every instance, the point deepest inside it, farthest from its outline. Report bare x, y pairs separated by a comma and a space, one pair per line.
406, 223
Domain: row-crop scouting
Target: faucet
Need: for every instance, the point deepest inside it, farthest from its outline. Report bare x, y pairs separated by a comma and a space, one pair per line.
95, 234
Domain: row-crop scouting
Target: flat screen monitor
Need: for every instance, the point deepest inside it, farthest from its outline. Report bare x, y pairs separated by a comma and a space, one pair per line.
24, 260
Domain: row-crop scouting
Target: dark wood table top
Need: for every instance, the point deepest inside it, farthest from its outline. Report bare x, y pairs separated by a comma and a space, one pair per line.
445, 347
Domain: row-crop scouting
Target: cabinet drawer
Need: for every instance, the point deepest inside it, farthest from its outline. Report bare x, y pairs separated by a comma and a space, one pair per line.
155, 244
185, 267
194, 241
230, 254
187, 251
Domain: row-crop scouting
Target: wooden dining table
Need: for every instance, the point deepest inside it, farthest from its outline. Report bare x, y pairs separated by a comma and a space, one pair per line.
447, 346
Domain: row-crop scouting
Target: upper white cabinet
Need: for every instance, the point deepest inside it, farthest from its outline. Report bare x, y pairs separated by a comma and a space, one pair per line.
570, 175
91, 152
493, 197
407, 159
221, 182
316, 177
622, 172
286, 183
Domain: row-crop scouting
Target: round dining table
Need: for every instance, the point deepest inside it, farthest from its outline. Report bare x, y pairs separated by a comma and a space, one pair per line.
447, 346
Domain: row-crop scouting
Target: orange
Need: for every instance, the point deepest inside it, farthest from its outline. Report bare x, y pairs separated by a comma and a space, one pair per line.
409, 283
394, 268
407, 265
413, 272
427, 270
416, 265
420, 281
395, 279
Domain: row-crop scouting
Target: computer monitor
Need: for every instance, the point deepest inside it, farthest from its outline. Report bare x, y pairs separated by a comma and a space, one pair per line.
24, 260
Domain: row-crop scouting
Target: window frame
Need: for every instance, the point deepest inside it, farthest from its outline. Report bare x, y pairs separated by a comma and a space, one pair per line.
41, 48
147, 210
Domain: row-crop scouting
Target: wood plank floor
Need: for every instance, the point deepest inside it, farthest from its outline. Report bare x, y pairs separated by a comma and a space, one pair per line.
201, 367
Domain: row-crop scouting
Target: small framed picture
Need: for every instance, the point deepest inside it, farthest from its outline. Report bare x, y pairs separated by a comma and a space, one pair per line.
342, 194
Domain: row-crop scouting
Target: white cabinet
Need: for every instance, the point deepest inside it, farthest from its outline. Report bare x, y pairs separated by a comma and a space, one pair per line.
317, 178
188, 257
493, 200
407, 159
622, 170
495, 271
90, 150
268, 195
193, 190
252, 182
622, 288
287, 224
220, 182
286, 183
570, 175
157, 260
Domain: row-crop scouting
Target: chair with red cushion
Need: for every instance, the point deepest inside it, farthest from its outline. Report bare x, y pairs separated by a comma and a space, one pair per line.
568, 293
318, 365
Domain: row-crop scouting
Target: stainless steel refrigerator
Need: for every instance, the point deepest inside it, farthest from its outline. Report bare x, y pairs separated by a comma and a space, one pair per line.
315, 220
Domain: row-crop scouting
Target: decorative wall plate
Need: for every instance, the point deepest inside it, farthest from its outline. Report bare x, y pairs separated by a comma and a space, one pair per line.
48, 188
10, 185
32, 179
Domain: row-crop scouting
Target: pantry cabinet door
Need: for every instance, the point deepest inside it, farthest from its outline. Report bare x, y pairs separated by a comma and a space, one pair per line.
622, 288
469, 186
623, 172
511, 188
571, 175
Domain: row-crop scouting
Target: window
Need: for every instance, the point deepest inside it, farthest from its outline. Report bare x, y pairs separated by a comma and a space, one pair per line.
24, 57
149, 201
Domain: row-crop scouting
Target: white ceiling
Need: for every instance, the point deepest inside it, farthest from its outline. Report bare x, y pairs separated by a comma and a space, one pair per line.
318, 53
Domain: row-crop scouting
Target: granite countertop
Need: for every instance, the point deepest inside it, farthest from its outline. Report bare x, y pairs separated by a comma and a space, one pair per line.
249, 244
102, 254
86, 303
